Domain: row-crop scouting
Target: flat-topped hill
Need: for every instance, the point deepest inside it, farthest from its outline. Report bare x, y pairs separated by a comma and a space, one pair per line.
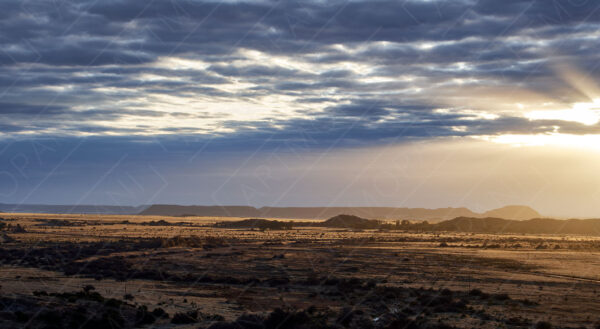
512, 212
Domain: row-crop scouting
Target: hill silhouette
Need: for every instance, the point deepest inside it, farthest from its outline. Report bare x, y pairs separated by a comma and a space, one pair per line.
367, 212
350, 221
531, 226
339, 221
439, 214
460, 224
513, 212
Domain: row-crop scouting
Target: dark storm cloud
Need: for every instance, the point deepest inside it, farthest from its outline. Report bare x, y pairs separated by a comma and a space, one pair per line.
252, 71
130, 32
31, 110
370, 111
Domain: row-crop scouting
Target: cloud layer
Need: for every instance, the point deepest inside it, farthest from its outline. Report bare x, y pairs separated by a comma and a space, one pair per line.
363, 70
211, 77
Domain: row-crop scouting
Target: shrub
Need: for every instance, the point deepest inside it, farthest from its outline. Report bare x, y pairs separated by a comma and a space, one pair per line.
543, 325
88, 288
21, 317
285, 319
501, 297
185, 318
143, 317
250, 321
446, 292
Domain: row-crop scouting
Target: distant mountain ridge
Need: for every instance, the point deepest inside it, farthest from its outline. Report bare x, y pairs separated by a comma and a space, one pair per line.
367, 212
216, 211
508, 212
439, 214
71, 209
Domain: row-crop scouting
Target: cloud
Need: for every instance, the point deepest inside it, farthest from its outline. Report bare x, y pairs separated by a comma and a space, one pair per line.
246, 70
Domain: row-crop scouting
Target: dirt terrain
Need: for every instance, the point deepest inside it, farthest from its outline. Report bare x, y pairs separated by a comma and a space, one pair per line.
115, 271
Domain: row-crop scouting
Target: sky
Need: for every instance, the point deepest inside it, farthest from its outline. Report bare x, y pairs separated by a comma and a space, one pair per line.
414, 103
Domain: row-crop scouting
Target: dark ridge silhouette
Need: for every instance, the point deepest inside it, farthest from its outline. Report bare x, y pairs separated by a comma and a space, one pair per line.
511, 212
531, 226
350, 221
369, 212
339, 221
459, 224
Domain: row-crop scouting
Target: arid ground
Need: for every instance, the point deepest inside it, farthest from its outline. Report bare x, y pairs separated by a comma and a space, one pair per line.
103, 271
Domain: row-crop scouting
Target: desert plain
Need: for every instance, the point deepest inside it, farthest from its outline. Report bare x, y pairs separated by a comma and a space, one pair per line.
127, 271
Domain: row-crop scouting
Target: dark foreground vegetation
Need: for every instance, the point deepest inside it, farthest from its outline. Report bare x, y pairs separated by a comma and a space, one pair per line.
378, 307
85, 309
354, 295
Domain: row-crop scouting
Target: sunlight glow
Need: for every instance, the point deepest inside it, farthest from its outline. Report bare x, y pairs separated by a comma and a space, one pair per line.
588, 142
585, 113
